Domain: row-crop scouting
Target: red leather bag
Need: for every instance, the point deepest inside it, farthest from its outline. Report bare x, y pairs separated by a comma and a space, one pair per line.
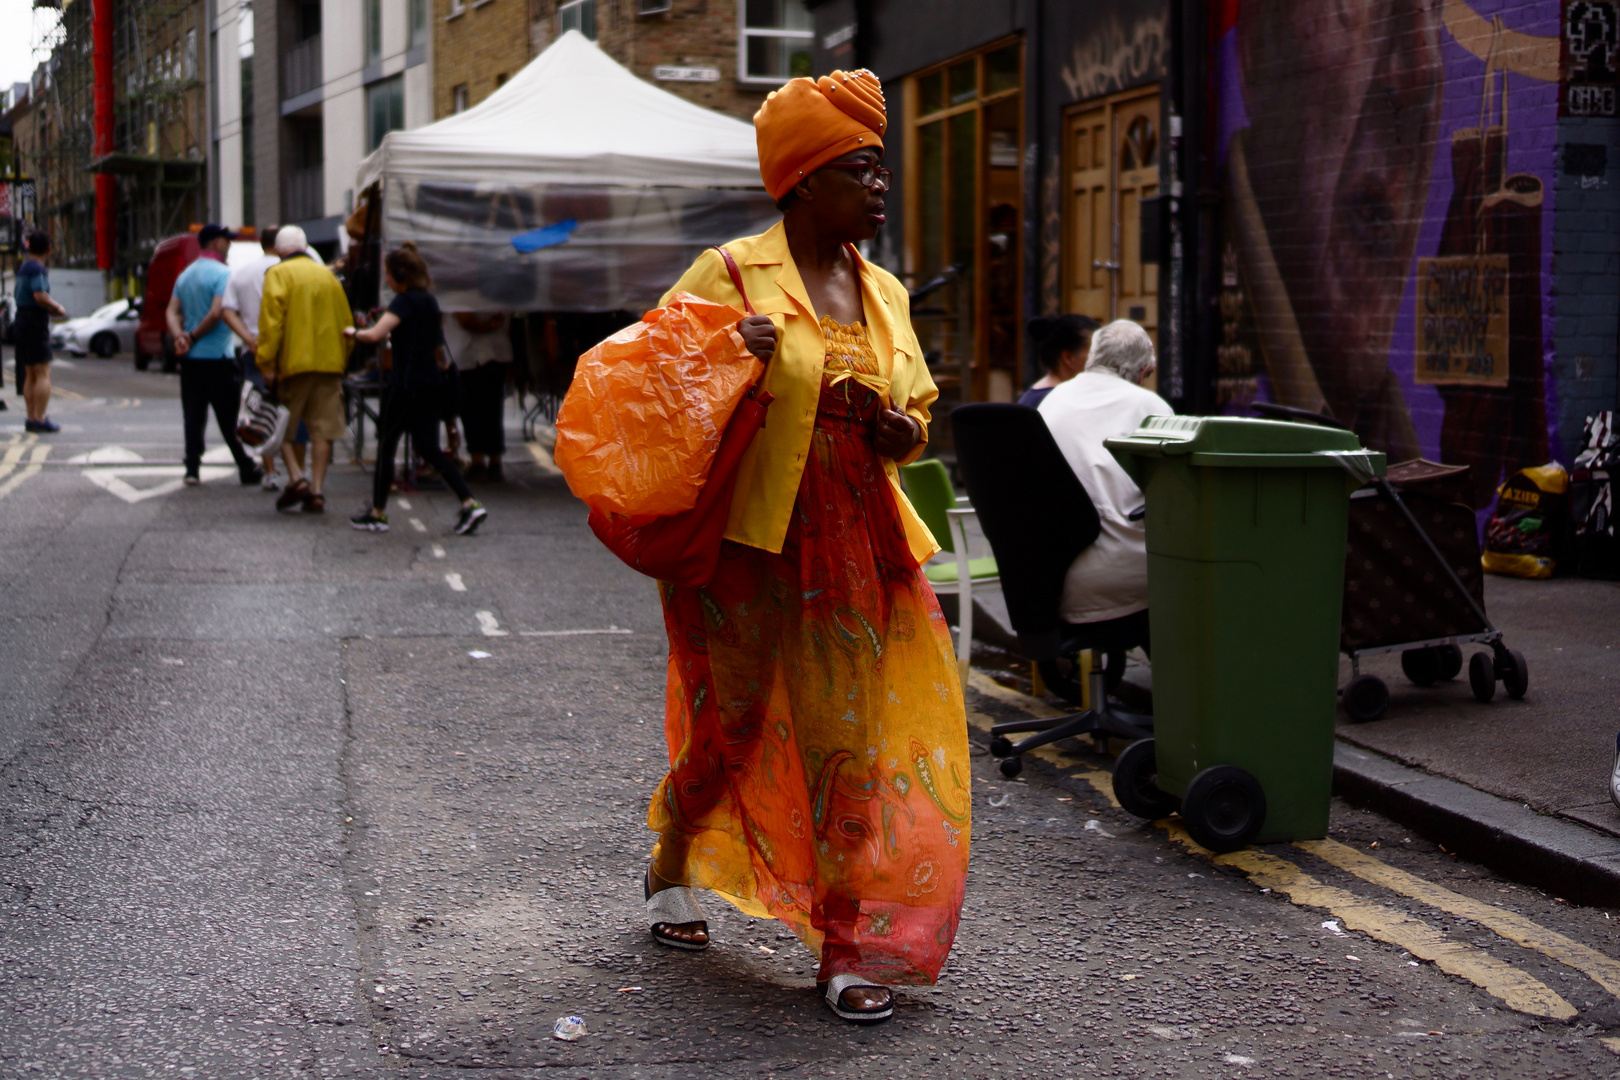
684, 548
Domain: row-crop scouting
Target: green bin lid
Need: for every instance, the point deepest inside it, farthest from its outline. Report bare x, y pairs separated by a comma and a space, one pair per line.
1240, 442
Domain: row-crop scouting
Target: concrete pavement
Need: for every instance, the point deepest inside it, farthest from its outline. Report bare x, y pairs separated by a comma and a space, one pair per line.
280, 798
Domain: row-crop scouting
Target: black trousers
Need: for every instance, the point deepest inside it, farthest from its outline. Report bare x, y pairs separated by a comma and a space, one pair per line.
215, 384
483, 406
419, 413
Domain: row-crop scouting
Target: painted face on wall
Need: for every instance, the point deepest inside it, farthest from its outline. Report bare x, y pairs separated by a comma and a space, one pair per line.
1343, 100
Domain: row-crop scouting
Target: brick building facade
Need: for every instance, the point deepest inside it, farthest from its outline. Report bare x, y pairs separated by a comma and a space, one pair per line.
706, 51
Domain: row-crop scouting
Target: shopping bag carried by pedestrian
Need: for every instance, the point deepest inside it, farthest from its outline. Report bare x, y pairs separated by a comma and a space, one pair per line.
653, 429
1594, 547
1526, 532
260, 422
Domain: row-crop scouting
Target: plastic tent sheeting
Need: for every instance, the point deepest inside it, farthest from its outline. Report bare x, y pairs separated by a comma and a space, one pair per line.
647, 178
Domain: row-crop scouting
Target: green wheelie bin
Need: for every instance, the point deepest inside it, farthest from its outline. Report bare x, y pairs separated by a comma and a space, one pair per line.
1246, 528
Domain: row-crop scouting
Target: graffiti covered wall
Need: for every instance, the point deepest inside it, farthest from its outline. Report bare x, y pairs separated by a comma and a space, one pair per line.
1388, 235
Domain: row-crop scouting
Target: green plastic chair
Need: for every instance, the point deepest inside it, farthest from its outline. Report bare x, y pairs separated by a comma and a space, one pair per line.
928, 486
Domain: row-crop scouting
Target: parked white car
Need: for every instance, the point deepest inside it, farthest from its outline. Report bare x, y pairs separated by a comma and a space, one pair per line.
109, 329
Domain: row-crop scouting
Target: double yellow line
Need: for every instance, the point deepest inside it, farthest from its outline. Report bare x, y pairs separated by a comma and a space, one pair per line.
1513, 987
16, 449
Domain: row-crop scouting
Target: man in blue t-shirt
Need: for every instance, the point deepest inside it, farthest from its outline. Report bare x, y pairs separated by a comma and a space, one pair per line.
32, 331
209, 376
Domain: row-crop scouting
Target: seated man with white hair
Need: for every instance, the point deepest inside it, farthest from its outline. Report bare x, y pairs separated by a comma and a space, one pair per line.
1108, 580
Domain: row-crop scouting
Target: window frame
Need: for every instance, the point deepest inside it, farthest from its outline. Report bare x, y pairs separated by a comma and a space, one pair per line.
371, 32
580, 6
745, 32
914, 120
394, 85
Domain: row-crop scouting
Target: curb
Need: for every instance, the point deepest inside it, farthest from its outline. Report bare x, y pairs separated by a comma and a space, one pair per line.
1506, 836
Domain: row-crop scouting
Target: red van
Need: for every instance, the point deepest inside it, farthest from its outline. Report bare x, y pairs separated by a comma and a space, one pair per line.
152, 336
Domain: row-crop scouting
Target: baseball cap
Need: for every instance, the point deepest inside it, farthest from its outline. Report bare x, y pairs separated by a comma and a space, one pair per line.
212, 232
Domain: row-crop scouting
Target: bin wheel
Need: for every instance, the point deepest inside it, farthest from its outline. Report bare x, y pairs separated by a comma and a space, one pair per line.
1422, 666
1136, 775
1451, 661
1482, 675
1516, 678
1366, 697
1012, 767
1223, 808
1000, 746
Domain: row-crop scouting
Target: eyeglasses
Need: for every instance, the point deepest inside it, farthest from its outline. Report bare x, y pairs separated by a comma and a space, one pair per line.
866, 174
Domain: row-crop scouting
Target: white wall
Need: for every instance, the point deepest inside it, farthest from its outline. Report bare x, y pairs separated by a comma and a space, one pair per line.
228, 75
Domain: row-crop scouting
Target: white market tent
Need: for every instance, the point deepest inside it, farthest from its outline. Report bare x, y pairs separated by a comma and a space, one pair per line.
647, 178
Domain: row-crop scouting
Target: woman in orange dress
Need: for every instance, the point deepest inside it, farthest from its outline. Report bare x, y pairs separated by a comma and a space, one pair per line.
818, 744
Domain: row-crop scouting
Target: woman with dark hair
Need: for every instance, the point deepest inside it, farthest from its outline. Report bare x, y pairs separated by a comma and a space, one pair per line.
817, 739
32, 330
418, 379
1062, 344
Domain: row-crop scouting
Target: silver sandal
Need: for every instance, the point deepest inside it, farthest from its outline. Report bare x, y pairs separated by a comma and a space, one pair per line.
672, 907
832, 992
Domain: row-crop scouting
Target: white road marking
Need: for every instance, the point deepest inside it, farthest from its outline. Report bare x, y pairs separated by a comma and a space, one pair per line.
106, 455
489, 625
417, 525
112, 479
404, 504
438, 551
570, 633
453, 579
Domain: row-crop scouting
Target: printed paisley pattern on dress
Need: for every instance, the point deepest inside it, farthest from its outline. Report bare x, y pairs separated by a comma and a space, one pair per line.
818, 746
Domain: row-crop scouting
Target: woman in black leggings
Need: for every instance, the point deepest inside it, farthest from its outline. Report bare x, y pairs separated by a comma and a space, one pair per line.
417, 383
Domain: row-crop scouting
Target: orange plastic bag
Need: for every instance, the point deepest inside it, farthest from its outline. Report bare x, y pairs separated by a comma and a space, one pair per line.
638, 430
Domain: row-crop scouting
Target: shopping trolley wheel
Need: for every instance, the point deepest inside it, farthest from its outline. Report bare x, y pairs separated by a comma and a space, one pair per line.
1012, 767
1422, 666
1482, 675
1451, 661
1365, 698
1136, 775
1516, 676
1223, 808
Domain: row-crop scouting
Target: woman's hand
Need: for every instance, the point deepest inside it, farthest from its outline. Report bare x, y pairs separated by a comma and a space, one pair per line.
895, 434
759, 334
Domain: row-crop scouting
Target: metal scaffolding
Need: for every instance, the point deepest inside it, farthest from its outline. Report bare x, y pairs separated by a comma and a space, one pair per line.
159, 143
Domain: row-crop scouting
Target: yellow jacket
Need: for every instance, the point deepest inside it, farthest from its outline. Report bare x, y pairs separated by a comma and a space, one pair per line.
768, 478
301, 320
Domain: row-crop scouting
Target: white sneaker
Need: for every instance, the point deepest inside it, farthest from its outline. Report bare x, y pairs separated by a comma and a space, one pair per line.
1614, 774
271, 482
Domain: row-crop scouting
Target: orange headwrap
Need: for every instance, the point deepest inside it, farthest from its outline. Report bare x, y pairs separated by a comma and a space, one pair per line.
808, 123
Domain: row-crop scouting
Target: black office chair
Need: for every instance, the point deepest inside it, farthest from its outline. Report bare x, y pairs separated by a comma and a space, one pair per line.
1037, 518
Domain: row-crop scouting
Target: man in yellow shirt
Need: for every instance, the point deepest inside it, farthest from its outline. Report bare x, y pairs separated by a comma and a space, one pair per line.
302, 354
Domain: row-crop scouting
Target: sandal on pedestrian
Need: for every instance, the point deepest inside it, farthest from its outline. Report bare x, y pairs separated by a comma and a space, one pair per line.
296, 492
674, 908
315, 504
832, 992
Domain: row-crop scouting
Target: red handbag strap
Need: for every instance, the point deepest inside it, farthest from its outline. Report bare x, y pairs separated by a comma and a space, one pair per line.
736, 278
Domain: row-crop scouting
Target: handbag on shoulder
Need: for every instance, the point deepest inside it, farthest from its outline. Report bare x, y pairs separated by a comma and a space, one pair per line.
684, 548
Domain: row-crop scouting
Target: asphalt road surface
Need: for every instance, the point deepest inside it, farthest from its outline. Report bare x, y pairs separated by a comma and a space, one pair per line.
278, 798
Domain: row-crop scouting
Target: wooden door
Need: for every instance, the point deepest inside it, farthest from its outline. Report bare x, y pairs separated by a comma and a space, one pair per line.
1091, 227
1113, 164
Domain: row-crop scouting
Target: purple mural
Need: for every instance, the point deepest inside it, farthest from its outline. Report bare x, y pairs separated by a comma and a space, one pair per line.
1387, 243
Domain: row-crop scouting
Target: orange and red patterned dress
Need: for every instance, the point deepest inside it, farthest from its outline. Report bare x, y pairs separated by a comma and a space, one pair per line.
818, 744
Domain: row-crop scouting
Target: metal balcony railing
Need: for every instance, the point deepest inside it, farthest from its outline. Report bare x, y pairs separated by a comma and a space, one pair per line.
305, 195
301, 68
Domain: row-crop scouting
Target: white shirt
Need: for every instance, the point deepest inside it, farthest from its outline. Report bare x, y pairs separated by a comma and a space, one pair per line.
246, 288
1108, 580
474, 350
